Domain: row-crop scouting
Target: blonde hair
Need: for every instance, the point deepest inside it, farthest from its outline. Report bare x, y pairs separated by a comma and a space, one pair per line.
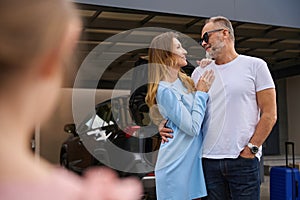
160, 58
28, 29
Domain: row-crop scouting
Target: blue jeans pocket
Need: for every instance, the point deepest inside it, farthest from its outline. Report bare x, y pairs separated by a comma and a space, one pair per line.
232, 179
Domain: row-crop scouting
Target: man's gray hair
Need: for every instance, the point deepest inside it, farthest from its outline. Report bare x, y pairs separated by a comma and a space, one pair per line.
223, 22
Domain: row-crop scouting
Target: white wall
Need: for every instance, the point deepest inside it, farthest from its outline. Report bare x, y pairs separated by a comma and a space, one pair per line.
293, 111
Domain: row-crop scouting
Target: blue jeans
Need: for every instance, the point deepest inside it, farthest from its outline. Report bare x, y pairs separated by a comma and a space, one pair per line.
234, 179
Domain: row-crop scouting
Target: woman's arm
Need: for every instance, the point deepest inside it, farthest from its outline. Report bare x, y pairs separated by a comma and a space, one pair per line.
173, 108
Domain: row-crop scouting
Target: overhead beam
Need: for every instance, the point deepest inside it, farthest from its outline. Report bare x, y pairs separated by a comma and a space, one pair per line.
286, 72
273, 12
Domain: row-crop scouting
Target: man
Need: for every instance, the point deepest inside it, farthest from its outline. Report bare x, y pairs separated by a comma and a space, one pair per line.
240, 116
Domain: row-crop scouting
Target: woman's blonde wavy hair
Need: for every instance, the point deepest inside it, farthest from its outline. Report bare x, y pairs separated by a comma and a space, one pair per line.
161, 59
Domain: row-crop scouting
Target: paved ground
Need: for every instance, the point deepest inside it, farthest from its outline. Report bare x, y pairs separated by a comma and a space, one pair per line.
265, 189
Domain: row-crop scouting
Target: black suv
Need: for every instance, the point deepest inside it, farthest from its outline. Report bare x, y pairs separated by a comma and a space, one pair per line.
110, 137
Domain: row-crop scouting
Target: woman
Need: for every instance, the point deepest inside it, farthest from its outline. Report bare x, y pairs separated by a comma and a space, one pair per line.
178, 169
37, 38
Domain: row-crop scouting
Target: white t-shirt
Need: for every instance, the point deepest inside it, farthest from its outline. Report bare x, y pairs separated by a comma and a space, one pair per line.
232, 111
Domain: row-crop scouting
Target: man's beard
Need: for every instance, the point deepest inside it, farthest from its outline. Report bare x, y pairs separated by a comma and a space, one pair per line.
207, 55
215, 50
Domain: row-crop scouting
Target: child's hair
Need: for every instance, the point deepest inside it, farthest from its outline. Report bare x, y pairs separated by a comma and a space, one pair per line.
34, 27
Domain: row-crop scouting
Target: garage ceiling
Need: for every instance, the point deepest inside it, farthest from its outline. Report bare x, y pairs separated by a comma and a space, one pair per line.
278, 46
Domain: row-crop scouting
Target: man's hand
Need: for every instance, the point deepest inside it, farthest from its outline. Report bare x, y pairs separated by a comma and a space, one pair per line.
164, 132
204, 62
246, 153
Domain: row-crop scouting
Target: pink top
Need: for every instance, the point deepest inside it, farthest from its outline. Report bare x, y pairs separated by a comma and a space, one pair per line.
62, 186
98, 183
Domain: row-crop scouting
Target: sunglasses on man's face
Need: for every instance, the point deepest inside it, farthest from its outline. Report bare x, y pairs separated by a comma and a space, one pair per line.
206, 35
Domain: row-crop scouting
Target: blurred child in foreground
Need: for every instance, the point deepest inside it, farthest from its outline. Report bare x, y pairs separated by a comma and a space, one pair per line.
37, 37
